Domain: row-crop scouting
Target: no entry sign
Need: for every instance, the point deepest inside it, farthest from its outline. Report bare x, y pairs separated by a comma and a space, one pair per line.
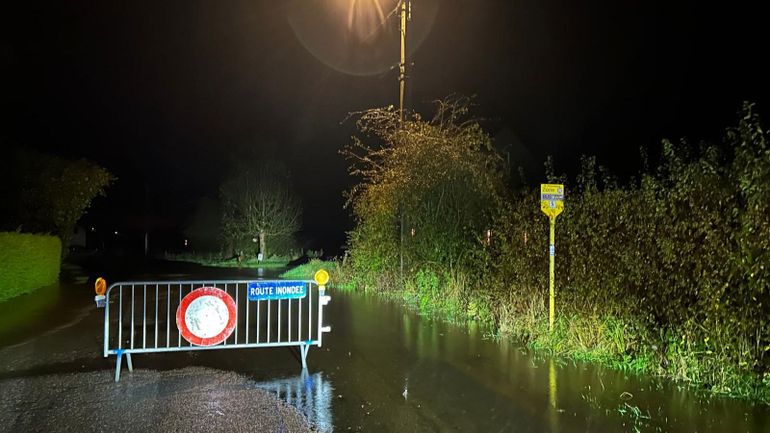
206, 316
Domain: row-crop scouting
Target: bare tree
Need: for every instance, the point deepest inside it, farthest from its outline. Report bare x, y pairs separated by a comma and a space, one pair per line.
258, 202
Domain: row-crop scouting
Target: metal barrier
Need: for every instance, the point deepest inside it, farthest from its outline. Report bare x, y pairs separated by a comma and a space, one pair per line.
141, 317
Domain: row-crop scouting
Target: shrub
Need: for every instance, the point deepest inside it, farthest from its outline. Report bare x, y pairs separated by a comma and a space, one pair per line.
668, 273
680, 255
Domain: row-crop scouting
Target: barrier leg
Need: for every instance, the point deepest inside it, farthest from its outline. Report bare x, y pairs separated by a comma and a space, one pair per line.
129, 363
117, 366
303, 352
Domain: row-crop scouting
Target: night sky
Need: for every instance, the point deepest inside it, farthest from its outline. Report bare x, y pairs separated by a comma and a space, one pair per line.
168, 94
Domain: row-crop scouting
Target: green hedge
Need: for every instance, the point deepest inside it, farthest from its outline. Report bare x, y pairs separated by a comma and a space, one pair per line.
27, 262
667, 273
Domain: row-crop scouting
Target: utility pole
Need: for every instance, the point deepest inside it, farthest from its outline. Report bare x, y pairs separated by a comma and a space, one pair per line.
405, 12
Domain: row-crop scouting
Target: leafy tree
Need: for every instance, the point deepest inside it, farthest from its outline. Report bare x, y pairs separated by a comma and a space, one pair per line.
51, 193
258, 202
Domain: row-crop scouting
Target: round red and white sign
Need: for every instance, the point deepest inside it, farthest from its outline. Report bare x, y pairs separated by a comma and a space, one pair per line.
206, 316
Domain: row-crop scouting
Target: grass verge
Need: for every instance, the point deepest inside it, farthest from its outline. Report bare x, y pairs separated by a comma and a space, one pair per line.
620, 343
307, 270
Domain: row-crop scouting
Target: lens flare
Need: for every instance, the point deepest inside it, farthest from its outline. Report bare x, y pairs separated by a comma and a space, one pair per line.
366, 17
357, 37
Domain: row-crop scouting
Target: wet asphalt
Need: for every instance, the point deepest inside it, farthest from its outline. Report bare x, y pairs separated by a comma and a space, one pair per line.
54, 379
192, 399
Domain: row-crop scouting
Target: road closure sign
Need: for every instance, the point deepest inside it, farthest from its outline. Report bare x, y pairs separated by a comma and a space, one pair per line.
551, 199
271, 290
206, 316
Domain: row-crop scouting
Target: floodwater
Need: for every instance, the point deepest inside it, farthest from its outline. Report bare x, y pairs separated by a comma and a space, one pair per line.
384, 368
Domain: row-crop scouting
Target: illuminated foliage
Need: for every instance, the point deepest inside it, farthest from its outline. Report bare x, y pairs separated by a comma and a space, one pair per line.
666, 273
679, 255
435, 181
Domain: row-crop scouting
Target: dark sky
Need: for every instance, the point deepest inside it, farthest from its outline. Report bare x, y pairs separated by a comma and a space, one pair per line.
168, 94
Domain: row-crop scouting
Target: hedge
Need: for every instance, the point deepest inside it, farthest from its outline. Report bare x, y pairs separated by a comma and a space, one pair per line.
27, 262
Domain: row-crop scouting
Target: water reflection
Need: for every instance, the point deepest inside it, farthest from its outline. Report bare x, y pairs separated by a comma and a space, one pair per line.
553, 419
311, 394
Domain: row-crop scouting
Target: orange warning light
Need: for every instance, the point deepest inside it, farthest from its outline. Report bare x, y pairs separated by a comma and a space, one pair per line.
100, 286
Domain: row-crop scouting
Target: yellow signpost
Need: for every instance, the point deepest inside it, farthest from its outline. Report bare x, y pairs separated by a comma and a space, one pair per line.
552, 204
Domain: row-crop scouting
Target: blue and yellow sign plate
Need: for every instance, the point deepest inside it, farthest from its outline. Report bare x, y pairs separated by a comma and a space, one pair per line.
551, 199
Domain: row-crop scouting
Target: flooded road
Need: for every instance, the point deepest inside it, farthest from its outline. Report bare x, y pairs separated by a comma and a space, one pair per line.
385, 369
412, 373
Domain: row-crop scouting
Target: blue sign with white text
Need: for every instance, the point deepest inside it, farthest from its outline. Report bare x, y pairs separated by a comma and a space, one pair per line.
270, 290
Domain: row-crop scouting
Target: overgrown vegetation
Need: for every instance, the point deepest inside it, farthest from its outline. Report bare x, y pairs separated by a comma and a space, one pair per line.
28, 262
425, 199
666, 273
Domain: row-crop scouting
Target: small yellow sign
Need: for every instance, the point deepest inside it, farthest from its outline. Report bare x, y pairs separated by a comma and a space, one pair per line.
321, 277
100, 286
551, 199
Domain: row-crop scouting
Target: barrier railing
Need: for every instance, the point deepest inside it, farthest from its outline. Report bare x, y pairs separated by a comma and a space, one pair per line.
175, 316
